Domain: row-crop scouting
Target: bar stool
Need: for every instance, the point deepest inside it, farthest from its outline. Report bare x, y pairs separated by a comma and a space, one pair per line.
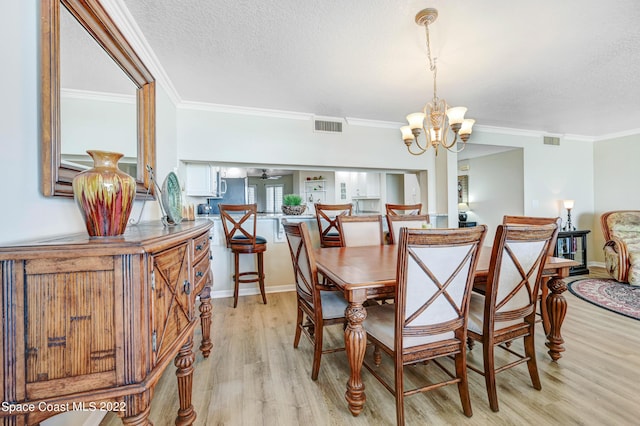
326, 215
240, 232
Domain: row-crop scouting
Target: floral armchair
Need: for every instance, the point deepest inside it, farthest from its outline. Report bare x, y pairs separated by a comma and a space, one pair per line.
621, 231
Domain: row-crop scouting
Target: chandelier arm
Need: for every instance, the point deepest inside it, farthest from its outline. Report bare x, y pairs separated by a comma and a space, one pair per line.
445, 133
426, 138
422, 150
453, 143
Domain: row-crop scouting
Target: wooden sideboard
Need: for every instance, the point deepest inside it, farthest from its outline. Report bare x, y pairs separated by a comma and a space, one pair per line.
92, 323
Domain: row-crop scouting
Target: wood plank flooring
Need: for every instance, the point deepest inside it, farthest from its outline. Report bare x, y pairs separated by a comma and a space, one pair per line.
254, 376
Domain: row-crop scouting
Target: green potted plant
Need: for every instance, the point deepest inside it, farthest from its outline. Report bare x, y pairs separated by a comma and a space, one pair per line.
292, 204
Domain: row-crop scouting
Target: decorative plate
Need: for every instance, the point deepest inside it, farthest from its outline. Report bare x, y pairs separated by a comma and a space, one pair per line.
171, 198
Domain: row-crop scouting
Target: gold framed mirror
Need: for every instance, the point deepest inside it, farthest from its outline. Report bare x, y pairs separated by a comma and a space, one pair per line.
57, 175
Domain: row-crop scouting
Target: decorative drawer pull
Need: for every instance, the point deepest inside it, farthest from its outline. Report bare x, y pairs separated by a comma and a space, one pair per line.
199, 247
210, 256
199, 274
187, 287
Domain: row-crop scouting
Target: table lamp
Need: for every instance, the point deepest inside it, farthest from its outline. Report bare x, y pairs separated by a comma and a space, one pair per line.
463, 208
568, 204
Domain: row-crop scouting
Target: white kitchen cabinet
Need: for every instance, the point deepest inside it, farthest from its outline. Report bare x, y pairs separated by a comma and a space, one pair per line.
203, 180
364, 184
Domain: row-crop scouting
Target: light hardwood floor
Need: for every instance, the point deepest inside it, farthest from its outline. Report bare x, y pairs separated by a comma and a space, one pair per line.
254, 376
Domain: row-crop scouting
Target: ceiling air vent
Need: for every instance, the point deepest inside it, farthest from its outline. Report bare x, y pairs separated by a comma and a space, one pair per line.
548, 140
328, 126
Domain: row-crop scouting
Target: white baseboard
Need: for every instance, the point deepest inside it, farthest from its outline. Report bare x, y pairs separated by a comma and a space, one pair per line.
219, 294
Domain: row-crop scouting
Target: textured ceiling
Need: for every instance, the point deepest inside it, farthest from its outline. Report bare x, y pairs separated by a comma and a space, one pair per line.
563, 67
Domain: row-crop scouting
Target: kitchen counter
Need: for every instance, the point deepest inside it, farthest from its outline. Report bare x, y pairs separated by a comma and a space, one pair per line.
277, 259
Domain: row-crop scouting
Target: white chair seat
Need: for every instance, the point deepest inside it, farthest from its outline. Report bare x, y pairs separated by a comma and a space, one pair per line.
333, 304
380, 324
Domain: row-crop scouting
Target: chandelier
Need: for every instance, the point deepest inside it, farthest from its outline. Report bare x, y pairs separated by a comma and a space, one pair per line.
433, 118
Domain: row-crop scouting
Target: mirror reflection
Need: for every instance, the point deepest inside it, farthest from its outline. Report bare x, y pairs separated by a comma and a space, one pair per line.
97, 101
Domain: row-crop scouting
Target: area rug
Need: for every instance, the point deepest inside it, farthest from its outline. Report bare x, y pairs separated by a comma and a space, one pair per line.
623, 299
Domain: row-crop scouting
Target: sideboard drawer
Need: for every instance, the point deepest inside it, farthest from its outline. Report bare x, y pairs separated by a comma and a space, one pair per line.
201, 272
201, 247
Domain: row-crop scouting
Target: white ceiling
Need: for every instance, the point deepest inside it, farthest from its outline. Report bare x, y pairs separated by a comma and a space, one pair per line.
562, 67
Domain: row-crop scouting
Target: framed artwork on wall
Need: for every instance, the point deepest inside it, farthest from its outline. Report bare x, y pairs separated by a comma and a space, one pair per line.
463, 189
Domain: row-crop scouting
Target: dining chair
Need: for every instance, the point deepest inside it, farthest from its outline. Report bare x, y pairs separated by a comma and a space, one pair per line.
546, 276
364, 230
429, 319
326, 216
507, 310
403, 209
239, 224
395, 222
318, 303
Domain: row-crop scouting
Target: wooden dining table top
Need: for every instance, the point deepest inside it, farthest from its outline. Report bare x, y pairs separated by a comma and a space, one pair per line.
375, 266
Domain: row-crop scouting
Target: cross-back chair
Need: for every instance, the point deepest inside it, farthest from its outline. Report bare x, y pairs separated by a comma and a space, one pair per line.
507, 310
326, 216
429, 319
403, 209
239, 224
365, 230
395, 222
546, 276
316, 302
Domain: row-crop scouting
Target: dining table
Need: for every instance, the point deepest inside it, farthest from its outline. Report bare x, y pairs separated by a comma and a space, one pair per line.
369, 272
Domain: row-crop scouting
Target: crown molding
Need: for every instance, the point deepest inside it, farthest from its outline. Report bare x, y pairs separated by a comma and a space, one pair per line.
232, 109
373, 123
632, 132
132, 32
90, 95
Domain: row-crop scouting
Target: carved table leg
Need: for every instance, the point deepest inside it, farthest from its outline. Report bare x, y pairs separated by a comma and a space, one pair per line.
137, 409
184, 363
557, 309
205, 320
544, 313
355, 339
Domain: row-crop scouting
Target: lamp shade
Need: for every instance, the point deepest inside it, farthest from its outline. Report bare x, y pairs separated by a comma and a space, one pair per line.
467, 126
406, 133
456, 115
416, 120
568, 204
463, 207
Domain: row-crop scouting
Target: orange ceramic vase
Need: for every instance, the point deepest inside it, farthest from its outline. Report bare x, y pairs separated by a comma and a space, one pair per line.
105, 195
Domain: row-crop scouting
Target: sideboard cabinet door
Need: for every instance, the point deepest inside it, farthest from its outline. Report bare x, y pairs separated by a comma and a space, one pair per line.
171, 298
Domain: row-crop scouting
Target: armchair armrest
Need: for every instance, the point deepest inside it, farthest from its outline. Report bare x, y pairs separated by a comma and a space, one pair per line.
616, 259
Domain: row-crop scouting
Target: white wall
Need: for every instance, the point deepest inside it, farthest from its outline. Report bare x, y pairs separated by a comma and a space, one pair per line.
493, 194
616, 176
552, 174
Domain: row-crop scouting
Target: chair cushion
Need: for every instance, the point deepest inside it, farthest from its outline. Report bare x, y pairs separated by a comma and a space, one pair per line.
634, 263
333, 304
380, 323
241, 239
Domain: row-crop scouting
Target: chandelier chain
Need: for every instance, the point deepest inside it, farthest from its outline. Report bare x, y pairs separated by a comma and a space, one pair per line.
433, 67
